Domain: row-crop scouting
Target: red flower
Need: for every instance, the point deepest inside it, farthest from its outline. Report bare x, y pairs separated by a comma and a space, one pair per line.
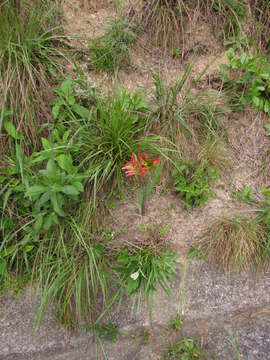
133, 167
156, 161
140, 165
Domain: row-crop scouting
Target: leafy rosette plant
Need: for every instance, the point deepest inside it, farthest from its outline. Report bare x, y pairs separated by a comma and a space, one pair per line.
142, 165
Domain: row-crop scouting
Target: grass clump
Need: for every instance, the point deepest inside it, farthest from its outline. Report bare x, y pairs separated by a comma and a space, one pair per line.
167, 21
244, 195
189, 119
116, 130
228, 15
110, 52
161, 20
71, 268
235, 244
28, 58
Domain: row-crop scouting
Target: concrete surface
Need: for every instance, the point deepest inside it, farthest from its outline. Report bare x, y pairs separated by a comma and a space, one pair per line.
224, 313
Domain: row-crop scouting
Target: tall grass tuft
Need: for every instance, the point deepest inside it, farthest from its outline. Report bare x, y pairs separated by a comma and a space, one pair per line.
166, 21
28, 58
71, 267
114, 131
235, 244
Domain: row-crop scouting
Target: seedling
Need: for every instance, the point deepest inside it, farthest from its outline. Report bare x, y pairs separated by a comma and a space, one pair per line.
175, 322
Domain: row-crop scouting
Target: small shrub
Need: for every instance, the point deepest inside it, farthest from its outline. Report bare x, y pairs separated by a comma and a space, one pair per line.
111, 51
35, 200
235, 244
185, 349
192, 182
248, 77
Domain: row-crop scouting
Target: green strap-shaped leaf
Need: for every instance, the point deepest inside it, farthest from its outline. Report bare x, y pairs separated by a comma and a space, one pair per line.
11, 130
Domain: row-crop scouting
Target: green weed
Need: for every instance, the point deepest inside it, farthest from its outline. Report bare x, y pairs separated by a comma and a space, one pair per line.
248, 79
185, 349
245, 195
235, 346
192, 182
195, 252
145, 269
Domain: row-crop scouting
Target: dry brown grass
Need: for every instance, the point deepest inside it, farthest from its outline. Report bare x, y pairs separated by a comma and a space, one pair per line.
168, 21
235, 244
162, 20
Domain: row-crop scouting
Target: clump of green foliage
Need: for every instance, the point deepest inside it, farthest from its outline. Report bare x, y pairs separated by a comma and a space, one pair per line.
193, 182
110, 52
145, 268
248, 79
29, 56
185, 349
